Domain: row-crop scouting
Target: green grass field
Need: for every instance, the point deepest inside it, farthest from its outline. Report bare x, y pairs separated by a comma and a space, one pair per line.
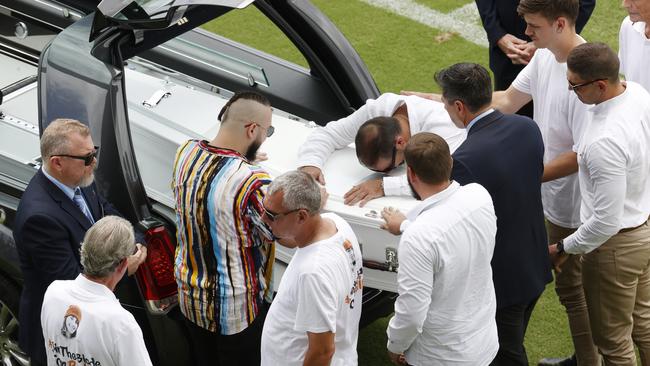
403, 54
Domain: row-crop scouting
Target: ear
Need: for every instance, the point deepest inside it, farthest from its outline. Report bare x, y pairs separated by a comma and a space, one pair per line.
561, 24
250, 131
303, 215
459, 106
400, 142
54, 163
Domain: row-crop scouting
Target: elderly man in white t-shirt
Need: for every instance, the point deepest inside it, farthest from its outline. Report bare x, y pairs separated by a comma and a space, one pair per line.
634, 46
82, 320
314, 318
380, 130
614, 238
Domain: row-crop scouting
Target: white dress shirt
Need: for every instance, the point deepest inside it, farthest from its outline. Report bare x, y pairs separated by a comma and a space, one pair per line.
634, 52
424, 116
614, 168
445, 312
561, 119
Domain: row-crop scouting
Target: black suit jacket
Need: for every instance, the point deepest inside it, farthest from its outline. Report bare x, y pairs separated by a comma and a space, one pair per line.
499, 18
48, 230
504, 154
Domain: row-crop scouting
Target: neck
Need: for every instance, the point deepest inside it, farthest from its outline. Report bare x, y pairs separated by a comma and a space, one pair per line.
565, 45
429, 190
106, 281
471, 116
58, 177
313, 230
227, 140
613, 91
405, 126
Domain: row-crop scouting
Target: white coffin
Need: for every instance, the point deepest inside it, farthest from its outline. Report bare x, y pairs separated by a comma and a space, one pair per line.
189, 112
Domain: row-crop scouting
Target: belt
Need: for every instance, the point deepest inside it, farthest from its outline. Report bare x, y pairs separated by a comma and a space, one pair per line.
626, 230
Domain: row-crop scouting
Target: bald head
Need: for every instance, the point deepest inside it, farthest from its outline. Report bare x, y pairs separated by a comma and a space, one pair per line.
245, 107
245, 111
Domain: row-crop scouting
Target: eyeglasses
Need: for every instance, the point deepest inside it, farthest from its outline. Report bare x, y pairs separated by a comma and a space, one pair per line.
88, 158
269, 130
274, 216
391, 166
573, 87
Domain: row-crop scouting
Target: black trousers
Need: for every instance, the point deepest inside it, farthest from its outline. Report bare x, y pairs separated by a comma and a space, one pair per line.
512, 322
214, 349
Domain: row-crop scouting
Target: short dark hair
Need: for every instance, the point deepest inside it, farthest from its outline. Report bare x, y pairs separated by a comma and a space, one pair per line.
468, 82
376, 139
593, 61
550, 9
249, 95
427, 154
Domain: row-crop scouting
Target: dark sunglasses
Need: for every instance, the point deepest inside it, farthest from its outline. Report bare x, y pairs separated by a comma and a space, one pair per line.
88, 158
573, 87
269, 130
391, 166
274, 216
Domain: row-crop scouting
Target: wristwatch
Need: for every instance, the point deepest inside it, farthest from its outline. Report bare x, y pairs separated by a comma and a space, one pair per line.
560, 246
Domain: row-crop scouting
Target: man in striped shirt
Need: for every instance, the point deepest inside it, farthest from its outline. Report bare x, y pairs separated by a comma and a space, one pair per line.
225, 253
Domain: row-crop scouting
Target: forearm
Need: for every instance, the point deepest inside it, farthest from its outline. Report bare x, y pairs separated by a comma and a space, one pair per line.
563, 165
320, 356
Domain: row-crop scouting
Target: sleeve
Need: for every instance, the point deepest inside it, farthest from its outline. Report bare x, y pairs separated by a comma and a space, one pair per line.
323, 141
586, 8
396, 186
460, 172
488, 11
414, 285
317, 304
606, 165
129, 345
622, 46
50, 247
523, 81
254, 209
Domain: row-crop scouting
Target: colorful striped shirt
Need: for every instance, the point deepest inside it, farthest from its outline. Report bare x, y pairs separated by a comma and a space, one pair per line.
225, 253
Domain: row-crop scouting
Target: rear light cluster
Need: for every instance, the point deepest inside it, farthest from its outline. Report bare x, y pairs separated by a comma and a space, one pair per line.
156, 275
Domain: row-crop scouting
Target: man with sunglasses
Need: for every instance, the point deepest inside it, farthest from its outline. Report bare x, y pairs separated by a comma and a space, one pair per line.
314, 319
380, 130
59, 205
225, 253
614, 176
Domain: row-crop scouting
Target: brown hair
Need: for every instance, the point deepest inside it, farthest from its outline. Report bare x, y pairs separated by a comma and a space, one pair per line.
550, 9
376, 139
593, 61
427, 154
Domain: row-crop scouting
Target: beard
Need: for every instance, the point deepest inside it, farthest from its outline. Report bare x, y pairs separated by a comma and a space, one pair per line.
87, 180
413, 192
251, 153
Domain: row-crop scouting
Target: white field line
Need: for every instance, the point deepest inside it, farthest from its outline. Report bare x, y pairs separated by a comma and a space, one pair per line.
464, 21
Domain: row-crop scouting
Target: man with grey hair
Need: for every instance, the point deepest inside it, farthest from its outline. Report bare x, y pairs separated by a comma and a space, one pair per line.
59, 205
314, 319
82, 320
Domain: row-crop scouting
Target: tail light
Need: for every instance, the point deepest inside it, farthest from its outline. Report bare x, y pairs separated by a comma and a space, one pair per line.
156, 275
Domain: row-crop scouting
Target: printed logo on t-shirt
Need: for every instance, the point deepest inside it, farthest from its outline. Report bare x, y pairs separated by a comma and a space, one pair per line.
358, 273
71, 321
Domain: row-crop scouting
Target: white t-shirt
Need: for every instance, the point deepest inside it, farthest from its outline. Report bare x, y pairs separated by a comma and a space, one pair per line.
320, 291
561, 118
614, 160
445, 312
83, 322
634, 52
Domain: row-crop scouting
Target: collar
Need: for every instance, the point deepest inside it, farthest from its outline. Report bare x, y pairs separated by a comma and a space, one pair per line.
432, 201
94, 287
67, 190
205, 145
609, 103
640, 27
477, 118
